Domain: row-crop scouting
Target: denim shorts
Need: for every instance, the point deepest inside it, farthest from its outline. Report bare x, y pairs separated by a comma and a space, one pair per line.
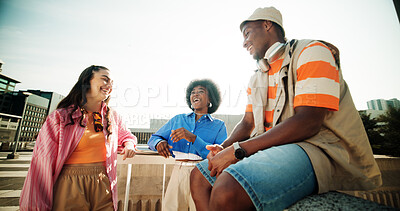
274, 178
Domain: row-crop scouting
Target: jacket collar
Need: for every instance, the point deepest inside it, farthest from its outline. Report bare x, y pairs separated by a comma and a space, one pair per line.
289, 52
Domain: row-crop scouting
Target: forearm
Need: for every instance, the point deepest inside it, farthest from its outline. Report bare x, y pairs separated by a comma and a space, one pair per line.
297, 128
241, 132
154, 141
129, 143
162, 134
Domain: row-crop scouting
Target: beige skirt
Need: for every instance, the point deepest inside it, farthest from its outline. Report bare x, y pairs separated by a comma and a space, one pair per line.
82, 187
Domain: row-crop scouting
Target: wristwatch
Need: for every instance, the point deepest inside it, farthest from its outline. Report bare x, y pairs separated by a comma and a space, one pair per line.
240, 153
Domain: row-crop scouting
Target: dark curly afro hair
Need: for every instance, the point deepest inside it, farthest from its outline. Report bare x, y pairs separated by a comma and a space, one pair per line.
214, 93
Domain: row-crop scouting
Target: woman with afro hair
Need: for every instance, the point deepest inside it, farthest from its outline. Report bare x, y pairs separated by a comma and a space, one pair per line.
185, 137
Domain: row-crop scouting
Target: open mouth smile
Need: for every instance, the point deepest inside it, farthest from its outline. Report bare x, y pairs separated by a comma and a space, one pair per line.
196, 100
105, 91
250, 48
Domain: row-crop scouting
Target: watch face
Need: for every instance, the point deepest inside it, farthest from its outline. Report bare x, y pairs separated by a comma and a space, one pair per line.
239, 153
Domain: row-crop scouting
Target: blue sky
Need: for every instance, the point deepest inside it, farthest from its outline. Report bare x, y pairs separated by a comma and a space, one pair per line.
154, 47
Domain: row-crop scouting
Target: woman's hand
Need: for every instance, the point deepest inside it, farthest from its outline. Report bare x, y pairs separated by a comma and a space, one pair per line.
182, 133
163, 149
128, 151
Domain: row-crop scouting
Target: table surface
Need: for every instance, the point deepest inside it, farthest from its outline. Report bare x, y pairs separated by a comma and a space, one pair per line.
145, 156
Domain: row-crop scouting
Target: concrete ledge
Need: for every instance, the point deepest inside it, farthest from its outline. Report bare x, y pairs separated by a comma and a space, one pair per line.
336, 201
147, 182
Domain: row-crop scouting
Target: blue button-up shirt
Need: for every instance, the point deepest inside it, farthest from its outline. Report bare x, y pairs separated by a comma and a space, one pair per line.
208, 130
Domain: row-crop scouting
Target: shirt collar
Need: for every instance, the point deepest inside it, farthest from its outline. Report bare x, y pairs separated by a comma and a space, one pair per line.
211, 118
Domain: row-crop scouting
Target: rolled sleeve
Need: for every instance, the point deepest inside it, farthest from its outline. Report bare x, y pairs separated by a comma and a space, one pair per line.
153, 141
124, 134
162, 134
200, 145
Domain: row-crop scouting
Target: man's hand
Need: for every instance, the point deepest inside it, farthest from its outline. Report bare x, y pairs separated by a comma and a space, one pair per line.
163, 149
128, 151
221, 161
214, 149
182, 133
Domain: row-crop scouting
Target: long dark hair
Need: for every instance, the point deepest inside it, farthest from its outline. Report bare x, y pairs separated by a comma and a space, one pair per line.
77, 96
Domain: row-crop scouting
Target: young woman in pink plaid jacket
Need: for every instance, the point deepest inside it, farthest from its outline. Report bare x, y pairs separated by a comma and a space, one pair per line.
74, 161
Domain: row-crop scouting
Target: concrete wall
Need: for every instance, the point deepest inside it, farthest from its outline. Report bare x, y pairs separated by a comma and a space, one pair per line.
389, 192
146, 185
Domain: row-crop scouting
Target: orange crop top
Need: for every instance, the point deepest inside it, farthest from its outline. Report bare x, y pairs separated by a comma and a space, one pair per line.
91, 147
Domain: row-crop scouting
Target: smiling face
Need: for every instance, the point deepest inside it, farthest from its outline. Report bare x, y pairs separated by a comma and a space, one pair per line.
257, 38
199, 99
100, 86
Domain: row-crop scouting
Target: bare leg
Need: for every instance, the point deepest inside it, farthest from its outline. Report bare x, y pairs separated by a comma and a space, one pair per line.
228, 194
200, 189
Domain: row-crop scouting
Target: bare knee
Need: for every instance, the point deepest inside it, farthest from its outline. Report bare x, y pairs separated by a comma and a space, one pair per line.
200, 189
196, 178
222, 192
228, 194
195, 174
198, 183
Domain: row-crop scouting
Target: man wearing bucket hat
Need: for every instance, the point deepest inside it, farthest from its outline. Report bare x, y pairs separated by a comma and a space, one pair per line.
301, 133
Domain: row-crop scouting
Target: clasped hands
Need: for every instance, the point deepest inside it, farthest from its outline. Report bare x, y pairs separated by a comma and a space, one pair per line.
219, 158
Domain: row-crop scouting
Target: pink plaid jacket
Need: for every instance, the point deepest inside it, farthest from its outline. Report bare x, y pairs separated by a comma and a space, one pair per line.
54, 145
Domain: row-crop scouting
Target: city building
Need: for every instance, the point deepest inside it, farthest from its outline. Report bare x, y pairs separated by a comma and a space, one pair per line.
33, 117
32, 109
53, 97
379, 107
383, 105
22, 113
8, 122
373, 114
8, 127
7, 85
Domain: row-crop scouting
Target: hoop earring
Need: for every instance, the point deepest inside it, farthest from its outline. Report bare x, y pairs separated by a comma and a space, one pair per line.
210, 105
191, 106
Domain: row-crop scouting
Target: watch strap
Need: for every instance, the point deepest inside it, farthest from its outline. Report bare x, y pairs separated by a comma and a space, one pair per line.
236, 146
240, 153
